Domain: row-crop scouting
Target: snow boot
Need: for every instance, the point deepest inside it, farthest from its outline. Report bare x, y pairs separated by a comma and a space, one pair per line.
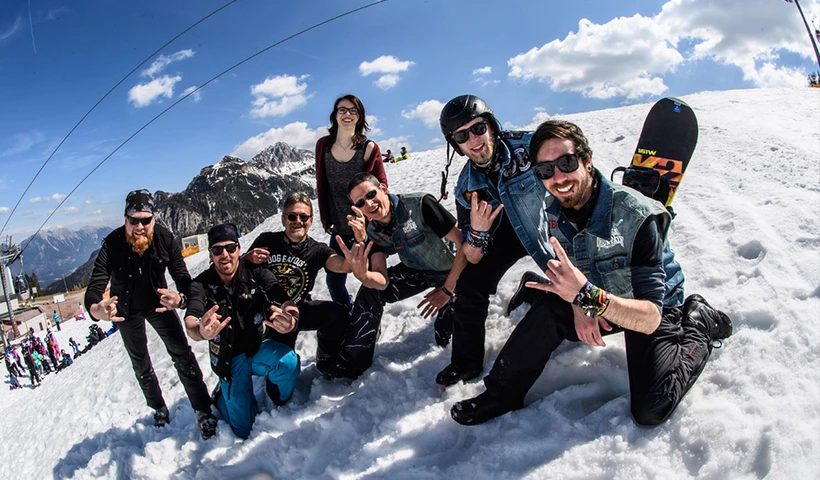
474, 411
207, 424
523, 294
161, 417
714, 323
453, 374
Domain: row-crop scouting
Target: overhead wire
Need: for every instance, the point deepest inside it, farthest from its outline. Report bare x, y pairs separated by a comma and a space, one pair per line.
149, 57
181, 99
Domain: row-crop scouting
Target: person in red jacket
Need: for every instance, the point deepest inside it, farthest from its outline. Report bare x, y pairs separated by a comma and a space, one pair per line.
340, 155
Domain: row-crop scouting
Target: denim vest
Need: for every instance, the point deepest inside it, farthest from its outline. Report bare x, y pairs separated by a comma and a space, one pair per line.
417, 244
602, 250
523, 197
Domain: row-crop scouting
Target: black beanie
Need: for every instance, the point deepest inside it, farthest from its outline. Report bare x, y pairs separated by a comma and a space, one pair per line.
139, 201
222, 233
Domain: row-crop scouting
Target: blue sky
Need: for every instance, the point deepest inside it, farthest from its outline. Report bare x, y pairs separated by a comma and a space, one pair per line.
403, 58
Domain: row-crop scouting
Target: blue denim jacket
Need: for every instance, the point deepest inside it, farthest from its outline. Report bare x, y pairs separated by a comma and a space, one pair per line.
522, 194
417, 245
602, 250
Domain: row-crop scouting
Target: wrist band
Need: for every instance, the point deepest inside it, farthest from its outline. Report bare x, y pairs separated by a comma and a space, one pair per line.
448, 292
592, 299
479, 240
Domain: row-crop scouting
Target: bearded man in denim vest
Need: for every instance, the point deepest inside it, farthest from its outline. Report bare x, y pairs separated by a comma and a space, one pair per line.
415, 227
607, 276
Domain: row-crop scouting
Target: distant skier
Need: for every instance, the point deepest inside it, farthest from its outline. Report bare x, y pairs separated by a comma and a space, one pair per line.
74, 346
388, 157
81, 315
56, 317
404, 155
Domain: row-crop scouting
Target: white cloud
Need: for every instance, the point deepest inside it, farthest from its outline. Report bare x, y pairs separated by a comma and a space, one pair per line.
196, 97
394, 144
295, 134
88, 201
22, 143
18, 22
388, 67
71, 211
372, 122
164, 60
57, 197
37, 199
4, 209
483, 71
428, 112
279, 95
628, 57
97, 212
623, 57
144, 94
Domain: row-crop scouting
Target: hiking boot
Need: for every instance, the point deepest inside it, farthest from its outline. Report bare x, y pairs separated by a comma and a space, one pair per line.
477, 410
335, 368
523, 294
207, 424
273, 392
161, 417
698, 313
453, 374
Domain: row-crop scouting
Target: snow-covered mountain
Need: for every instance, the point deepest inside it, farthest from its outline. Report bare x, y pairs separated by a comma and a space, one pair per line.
233, 190
55, 253
747, 235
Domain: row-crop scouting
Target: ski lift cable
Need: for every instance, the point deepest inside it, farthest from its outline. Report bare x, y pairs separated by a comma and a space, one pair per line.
149, 57
246, 59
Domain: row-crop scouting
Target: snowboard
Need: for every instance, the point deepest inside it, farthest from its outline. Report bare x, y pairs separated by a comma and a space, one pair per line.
665, 147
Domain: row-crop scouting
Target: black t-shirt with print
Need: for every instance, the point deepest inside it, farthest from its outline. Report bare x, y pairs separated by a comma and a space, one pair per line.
295, 265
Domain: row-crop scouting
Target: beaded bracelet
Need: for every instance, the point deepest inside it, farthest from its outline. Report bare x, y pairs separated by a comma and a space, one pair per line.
479, 240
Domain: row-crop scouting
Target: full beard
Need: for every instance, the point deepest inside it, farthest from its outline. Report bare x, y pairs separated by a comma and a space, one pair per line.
139, 243
579, 196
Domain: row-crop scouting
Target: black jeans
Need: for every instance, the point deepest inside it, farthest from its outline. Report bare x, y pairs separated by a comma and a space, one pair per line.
368, 307
475, 285
169, 328
329, 319
661, 366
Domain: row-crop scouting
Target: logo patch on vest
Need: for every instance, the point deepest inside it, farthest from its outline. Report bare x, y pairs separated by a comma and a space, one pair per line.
615, 239
257, 319
410, 226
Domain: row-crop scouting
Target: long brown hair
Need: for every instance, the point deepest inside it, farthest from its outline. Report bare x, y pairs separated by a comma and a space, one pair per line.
361, 125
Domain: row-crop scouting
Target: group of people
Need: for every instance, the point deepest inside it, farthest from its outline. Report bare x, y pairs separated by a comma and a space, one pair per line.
389, 158
606, 267
39, 358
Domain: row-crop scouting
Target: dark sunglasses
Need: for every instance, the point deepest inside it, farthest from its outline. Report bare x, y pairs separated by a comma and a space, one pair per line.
644, 180
370, 196
344, 110
144, 221
566, 163
292, 217
478, 129
218, 249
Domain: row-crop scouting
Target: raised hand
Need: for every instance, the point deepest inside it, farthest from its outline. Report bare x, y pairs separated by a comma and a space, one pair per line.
566, 280
482, 214
357, 256
358, 224
107, 310
169, 300
210, 324
283, 319
257, 255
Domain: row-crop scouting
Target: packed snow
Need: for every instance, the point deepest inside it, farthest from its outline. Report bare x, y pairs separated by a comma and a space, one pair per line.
746, 233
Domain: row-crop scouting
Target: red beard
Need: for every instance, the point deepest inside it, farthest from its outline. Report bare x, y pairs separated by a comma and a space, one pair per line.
139, 244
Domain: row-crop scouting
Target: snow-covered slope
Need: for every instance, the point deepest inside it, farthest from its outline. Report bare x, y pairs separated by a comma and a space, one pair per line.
747, 236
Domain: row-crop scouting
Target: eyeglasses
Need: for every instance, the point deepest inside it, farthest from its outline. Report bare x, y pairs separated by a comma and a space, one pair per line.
566, 163
292, 217
144, 221
218, 249
370, 196
345, 110
462, 136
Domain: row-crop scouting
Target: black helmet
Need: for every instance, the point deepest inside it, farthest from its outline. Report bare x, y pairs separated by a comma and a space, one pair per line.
461, 110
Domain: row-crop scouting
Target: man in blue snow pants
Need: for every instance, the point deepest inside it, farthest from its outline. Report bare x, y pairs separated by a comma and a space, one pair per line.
231, 306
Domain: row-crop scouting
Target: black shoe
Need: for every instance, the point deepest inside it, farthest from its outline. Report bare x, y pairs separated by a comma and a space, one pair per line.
335, 368
453, 374
443, 327
714, 323
523, 294
207, 424
474, 411
273, 392
161, 417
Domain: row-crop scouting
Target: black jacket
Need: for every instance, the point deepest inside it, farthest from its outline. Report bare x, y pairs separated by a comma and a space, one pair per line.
247, 302
113, 263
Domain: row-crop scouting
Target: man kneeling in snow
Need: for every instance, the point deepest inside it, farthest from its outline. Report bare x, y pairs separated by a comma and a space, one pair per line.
608, 275
231, 306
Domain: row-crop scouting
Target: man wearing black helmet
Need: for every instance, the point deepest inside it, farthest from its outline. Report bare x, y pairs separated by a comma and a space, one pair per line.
498, 203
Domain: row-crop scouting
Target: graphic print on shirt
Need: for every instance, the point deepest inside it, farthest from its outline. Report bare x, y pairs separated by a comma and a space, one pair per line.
292, 275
